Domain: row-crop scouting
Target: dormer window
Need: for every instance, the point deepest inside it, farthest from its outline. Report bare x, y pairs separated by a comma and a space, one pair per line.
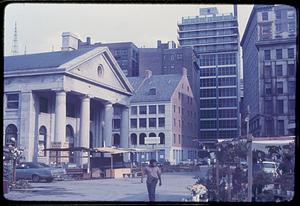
152, 91
100, 70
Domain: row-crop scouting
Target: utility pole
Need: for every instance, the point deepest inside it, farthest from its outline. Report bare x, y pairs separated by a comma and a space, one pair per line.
249, 156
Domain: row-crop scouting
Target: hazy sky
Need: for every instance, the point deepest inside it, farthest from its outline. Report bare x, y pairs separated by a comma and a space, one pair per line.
40, 25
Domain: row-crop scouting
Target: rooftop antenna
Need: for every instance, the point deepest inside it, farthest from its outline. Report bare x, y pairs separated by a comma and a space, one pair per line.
14, 49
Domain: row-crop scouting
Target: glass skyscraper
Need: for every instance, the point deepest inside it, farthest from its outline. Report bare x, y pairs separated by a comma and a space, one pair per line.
215, 38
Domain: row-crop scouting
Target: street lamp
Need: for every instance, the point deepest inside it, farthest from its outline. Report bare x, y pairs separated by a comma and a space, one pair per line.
250, 158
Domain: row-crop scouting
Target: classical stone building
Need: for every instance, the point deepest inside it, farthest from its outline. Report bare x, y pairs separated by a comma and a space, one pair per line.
163, 106
64, 99
269, 58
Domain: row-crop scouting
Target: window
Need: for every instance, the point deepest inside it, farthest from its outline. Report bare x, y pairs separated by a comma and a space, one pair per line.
269, 128
279, 53
133, 138
279, 87
290, 14
161, 122
116, 140
162, 138
208, 82
152, 122
227, 70
11, 131
278, 28
208, 103
291, 53
43, 103
152, 91
174, 108
268, 71
227, 123
292, 26
278, 14
178, 95
207, 92
142, 138
133, 123
265, 16
143, 109
152, 109
100, 70
161, 109
207, 60
268, 89
267, 54
280, 106
291, 69
208, 124
172, 57
174, 122
178, 109
12, 101
228, 102
116, 123
268, 106
179, 56
229, 81
42, 141
292, 106
227, 113
179, 123
291, 87
279, 72
223, 92
133, 110
225, 59
280, 127
174, 139
208, 114
207, 72
179, 138
142, 122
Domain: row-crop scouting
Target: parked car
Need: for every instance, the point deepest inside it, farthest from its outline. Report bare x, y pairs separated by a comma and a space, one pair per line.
270, 167
58, 172
33, 171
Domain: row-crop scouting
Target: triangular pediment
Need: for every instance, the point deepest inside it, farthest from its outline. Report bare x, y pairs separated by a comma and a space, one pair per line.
99, 65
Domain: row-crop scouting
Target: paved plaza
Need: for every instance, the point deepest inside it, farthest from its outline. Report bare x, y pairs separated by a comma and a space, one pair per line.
174, 188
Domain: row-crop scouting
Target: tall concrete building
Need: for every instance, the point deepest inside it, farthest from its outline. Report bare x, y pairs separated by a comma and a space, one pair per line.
167, 59
269, 58
215, 38
126, 53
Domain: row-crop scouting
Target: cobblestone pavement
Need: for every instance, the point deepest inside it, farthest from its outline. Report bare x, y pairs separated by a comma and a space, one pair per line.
174, 188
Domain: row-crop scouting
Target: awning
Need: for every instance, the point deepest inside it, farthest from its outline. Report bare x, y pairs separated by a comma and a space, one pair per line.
72, 149
111, 150
261, 144
141, 150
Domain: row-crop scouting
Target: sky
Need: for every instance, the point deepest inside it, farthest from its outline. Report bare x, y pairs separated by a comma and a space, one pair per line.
39, 26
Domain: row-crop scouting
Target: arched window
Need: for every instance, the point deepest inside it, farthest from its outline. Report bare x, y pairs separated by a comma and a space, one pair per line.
11, 131
116, 140
152, 134
70, 139
133, 138
100, 70
142, 138
162, 138
42, 141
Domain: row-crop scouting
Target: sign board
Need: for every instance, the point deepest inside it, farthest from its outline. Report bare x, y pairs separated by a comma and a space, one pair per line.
152, 140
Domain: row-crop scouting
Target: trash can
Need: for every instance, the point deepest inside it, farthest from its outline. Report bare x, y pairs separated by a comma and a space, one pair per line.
5, 186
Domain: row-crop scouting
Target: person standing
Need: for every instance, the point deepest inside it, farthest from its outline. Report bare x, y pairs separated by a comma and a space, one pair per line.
153, 176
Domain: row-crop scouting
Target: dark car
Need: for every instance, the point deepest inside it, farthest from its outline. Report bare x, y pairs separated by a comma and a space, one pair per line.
33, 171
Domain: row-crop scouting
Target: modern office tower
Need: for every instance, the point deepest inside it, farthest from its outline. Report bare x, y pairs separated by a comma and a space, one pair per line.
269, 58
215, 38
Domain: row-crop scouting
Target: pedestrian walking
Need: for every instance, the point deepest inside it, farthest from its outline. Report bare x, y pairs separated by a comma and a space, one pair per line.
153, 176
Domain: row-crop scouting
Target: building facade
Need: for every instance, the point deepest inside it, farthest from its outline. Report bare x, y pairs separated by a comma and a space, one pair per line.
269, 57
163, 106
167, 59
215, 38
63, 99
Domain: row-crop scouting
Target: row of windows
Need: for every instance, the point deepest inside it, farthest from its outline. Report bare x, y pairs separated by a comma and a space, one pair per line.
223, 59
152, 109
270, 127
181, 123
291, 70
278, 52
222, 134
221, 71
208, 33
224, 113
228, 81
152, 122
223, 92
208, 26
291, 87
142, 136
279, 106
172, 57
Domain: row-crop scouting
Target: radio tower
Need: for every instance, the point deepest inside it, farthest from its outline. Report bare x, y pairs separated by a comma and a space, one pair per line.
14, 49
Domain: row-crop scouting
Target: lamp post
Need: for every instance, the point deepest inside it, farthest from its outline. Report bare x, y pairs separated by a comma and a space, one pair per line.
249, 155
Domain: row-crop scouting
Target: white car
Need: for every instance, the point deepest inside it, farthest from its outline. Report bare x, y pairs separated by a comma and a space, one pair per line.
270, 167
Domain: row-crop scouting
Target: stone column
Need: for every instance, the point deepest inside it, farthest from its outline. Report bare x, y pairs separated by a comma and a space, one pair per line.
108, 124
124, 127
60, 117
84, 131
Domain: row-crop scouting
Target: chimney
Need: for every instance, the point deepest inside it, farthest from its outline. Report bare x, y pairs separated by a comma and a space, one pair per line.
148, 73
184, 71
88, 40
69, 41
158, 44
235, 10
